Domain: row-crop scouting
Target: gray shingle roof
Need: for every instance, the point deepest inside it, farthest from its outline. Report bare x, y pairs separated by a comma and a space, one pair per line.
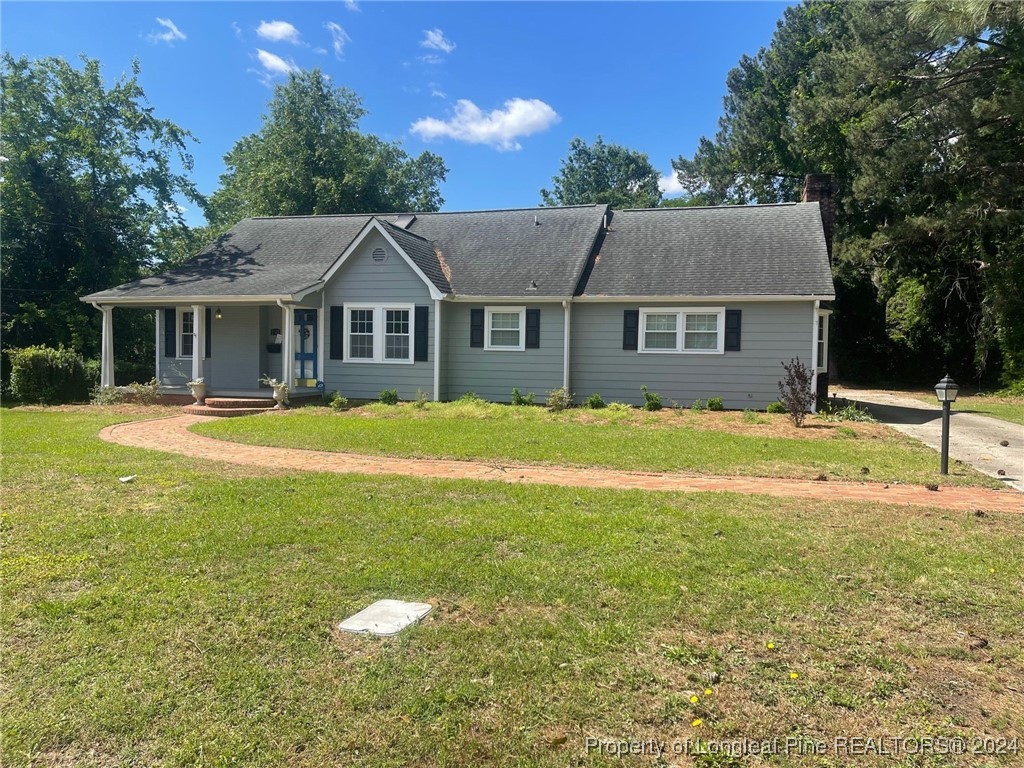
528, 252
725, 251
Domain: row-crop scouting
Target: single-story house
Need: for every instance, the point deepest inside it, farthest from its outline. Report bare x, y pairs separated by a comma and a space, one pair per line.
691, 302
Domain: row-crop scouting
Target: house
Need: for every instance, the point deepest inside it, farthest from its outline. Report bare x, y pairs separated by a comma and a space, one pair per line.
691, 302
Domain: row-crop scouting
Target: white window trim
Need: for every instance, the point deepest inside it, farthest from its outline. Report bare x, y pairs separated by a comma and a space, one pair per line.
823, 315
489, 313
179, 317
378, 333
681, 313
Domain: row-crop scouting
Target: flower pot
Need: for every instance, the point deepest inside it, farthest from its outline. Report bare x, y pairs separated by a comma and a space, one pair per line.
199, 393
281, 396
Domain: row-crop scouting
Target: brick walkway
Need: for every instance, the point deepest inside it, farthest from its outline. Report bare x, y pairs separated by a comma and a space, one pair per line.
171, 435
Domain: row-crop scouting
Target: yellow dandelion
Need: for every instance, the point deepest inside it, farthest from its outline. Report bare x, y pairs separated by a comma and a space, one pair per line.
793, 675
991, 570
771, 646
697, 722
694, 699
707, 691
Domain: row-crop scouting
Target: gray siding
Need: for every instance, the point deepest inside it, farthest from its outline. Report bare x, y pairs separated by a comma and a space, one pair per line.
491, 374
361, 280
235, 358
771, 332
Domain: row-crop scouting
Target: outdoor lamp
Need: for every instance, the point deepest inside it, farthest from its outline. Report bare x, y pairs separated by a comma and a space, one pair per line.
945, 391
218, 314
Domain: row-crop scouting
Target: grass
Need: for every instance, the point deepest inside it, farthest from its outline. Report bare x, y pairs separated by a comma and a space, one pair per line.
186, 618
714, 443
1006, 408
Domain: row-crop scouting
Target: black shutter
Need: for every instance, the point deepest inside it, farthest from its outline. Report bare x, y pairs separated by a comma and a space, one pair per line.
170, 332
476, 327
209, 332
337, 342
422, 326
533, 329
630, 328
733, 323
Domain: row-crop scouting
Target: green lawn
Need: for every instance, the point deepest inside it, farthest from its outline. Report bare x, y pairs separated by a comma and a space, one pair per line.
715, 443
186, 618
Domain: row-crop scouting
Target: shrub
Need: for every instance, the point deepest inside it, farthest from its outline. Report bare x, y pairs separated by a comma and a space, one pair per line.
699, 406
751, 417
47, 375
594, 401
106, 395
559, 399
775, 407
795, 391
145, 394
388, 396
616, 407
1013, 389
471, 397
849, 412
715, 404
518, 398
422, 398
337, 401
652, 400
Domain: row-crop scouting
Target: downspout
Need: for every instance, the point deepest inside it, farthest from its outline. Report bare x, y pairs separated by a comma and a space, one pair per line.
814, 355
567, 312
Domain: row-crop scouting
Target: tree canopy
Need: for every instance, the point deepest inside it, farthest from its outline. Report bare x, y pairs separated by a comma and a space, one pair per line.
918, 110
604, 173
309, 157
90, 178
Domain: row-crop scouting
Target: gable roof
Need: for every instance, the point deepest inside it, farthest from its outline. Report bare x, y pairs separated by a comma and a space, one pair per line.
741, 250
553, 253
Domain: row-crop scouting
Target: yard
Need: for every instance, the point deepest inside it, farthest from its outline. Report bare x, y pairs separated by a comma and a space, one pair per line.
186, 618
671, 440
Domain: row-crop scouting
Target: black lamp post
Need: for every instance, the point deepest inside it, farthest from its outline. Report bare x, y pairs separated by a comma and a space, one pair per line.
946, 391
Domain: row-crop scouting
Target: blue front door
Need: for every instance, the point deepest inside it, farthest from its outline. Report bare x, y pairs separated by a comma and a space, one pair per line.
305, 346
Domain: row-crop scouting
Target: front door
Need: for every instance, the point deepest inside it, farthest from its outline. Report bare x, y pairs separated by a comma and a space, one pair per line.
305, 345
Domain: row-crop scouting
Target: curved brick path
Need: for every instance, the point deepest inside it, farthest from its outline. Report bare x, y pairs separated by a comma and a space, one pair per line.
171, 435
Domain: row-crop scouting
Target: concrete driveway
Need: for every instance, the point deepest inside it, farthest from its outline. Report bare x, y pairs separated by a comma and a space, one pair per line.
973, 438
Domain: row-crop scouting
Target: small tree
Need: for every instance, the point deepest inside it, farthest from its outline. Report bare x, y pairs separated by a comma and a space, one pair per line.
795, 392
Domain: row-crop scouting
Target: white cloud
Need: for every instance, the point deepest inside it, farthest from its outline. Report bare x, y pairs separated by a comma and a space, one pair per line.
435, 90
238, 29
431, 58
351, 5
669, 184
169, 35
321, 51
338, 38
435, 39
274, 65
279, 32
498, 128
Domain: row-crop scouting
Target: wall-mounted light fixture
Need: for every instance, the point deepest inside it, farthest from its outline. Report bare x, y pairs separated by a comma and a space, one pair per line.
218, 314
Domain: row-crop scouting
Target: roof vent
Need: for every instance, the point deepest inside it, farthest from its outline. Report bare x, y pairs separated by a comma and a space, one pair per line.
405, 220
533, 286
536, 221
379, 255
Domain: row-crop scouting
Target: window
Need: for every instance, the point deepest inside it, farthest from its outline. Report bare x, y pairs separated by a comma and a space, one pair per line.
378, 334
822, 341
504, 328
186, 333
696, 330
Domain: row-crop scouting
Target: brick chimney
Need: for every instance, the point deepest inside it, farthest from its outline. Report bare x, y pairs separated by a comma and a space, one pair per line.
820, 188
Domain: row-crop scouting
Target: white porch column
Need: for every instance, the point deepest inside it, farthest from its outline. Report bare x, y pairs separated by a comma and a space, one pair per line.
567, 309
107, 351
437, 350
814, 356
198, 341
287, 353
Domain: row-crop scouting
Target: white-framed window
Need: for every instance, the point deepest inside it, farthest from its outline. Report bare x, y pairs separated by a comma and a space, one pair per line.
377, 333
822, 341
679, 330
505, 328
186, 332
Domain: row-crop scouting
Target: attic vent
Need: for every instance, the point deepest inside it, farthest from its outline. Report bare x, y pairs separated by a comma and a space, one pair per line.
379, 255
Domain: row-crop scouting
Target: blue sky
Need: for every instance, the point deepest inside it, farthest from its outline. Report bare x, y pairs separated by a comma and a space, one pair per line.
497, 89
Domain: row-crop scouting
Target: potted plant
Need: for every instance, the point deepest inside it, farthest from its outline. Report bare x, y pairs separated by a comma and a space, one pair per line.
280, 390
198, 389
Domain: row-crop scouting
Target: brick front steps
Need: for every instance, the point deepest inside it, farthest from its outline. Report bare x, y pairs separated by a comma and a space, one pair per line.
231, 406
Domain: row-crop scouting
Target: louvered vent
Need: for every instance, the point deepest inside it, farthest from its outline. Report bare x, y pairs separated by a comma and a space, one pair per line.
379, 255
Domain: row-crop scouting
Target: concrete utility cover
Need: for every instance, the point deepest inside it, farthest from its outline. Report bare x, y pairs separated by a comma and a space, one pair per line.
385, 617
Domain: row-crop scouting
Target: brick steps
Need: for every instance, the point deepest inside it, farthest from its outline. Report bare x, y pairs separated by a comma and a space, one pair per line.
231, 406
205, 410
